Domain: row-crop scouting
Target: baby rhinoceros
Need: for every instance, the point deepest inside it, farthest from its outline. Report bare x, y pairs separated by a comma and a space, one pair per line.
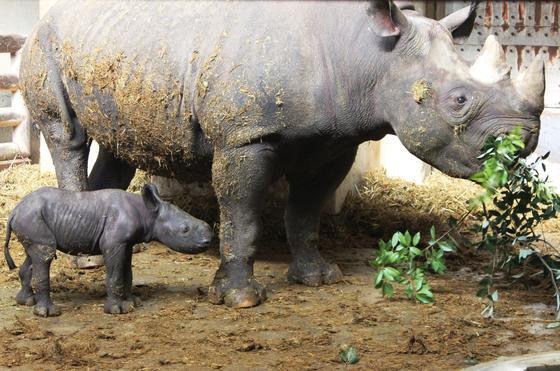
107, 222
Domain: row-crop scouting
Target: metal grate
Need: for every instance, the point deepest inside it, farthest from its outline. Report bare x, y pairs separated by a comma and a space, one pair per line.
525, 29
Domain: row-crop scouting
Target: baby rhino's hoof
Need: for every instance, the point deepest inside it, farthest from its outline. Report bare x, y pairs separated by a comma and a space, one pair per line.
49, 310
122, 307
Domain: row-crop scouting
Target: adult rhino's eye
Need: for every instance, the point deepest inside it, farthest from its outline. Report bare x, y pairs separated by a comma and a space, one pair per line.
461, 100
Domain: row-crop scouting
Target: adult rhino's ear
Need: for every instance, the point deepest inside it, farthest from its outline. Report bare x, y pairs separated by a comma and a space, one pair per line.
151, 198
461, 22
405, 5
388, 20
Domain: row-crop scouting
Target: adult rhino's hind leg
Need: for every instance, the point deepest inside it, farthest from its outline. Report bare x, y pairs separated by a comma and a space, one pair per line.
307, 198
51, 109
69, 151
110, 172
240, 178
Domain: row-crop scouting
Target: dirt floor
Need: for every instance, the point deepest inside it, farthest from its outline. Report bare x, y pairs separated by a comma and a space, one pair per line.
297, 328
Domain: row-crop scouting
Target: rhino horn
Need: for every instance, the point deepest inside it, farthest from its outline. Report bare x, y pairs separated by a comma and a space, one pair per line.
461, 22
490, 66
530, 83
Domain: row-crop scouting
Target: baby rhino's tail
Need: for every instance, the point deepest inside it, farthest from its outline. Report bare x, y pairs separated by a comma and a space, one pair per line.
7, 255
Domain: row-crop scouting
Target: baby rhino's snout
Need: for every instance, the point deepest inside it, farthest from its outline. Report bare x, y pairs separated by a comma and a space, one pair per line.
203, 235
196, 240
196, 237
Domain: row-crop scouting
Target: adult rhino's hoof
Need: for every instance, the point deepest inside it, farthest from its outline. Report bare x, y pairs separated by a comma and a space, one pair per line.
314, 274
122, 307
25, 298
244, 297
48, 310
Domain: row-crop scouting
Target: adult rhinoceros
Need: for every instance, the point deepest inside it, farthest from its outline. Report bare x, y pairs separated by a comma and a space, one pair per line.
251, 91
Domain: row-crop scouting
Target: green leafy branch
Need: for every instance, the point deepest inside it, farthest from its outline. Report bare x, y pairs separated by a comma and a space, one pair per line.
402, 261
516, 199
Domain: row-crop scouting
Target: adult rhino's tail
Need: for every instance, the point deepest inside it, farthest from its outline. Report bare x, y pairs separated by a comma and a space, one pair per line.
7, 255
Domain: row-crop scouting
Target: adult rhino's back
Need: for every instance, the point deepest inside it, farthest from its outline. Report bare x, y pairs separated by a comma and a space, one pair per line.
161, 83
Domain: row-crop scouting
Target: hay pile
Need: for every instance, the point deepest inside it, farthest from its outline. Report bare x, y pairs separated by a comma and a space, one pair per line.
384, 205
18, 181
381, 206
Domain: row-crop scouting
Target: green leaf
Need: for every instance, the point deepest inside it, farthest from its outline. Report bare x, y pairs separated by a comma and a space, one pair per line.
419, 282
349, 355
409, 291
388, 290
416, 239
395, 239
408, 238
425, 295
553, 325
402, 239
382, 245
426, 290
424, 299
494, 295
437, 266
433, 232
391, 273
482, 293
415, 251
379, 279
447, 246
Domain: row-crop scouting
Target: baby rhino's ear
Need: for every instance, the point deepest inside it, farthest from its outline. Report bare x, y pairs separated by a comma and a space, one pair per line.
151, 198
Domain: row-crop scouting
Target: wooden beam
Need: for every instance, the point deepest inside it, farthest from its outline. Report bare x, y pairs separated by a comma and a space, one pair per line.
11, 43
5, 164
9, 117
9, 82
8, 151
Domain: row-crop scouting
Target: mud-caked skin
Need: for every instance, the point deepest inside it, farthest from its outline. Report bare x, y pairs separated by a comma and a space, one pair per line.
245, 92
108, 222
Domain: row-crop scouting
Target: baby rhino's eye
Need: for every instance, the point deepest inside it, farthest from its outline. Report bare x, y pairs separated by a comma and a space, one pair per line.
186, 229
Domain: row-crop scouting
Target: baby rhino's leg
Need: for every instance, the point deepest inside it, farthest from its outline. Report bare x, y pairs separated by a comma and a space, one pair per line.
41, 258
25, 296
119, 279
128, 283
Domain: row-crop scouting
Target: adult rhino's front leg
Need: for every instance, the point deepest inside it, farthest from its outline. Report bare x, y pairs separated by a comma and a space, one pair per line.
240, 178
307, 197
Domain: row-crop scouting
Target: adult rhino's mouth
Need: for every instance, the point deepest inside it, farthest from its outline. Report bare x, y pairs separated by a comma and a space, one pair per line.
531, 140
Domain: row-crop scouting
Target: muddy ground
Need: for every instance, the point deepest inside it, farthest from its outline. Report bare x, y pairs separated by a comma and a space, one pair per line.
297, 328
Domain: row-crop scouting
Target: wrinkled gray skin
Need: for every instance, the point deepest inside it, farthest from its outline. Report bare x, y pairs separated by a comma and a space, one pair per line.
247, 92
108, 222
